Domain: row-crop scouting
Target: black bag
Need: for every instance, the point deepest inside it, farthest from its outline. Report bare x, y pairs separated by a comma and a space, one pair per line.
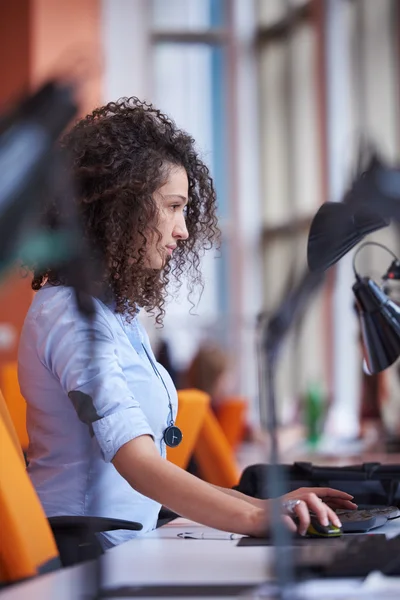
369, 483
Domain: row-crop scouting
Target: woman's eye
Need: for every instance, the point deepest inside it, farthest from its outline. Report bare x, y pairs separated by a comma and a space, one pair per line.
175, 207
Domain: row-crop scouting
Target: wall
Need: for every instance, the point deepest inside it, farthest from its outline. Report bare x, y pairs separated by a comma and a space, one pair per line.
39, 38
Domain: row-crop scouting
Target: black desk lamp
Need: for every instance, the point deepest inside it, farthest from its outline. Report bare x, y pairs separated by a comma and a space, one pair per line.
31, 172
379, 317
373, 199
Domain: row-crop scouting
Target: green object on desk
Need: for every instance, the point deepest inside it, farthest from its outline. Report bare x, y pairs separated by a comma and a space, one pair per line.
314, 407
316, 529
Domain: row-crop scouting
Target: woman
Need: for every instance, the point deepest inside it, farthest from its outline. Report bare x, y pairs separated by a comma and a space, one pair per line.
98, 424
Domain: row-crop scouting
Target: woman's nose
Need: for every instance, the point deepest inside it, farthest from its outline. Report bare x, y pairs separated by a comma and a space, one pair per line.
180, 230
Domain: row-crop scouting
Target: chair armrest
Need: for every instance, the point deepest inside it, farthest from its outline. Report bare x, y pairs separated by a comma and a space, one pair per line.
76, 538
92, 524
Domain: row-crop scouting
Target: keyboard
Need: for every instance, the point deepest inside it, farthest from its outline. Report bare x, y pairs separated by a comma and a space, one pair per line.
354, 556
362, 520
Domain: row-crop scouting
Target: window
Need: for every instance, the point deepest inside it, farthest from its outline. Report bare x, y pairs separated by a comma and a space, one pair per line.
292, 179
190, 84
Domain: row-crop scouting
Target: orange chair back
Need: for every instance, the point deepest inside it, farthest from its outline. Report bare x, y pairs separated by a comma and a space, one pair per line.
231, 414
27, 546
213, 454
15, 401
192, 407
6, 418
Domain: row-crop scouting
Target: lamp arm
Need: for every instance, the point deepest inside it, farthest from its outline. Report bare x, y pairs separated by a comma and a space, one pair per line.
370, 243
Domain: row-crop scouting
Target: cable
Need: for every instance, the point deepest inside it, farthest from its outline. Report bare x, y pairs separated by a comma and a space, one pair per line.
357, 276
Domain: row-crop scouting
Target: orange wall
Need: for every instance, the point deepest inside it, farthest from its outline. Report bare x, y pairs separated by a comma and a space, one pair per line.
37, 39
14, 49
63, 32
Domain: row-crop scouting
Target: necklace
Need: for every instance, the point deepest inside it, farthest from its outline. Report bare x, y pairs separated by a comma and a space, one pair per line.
172, 434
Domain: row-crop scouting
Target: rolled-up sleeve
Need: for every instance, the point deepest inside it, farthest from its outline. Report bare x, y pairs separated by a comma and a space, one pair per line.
83, 357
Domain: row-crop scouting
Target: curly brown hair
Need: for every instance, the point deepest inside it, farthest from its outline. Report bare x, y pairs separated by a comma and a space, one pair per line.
120, 155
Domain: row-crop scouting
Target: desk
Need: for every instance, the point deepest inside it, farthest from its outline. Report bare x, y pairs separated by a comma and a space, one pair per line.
160, 557
186, 561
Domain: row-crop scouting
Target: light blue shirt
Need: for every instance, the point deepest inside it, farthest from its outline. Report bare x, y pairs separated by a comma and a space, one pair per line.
90, 388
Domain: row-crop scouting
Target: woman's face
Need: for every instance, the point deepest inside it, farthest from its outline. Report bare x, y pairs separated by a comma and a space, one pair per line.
171, 200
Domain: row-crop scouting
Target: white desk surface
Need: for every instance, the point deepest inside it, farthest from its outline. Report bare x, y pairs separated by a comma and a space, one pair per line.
187, 560
161, 557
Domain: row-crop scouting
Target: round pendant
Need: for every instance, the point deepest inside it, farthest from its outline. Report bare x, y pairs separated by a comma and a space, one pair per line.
173, 436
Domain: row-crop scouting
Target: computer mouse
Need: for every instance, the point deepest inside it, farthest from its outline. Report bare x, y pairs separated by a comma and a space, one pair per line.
316, 529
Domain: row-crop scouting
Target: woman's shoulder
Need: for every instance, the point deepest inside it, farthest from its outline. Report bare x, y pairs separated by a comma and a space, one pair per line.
51, 297
54, 302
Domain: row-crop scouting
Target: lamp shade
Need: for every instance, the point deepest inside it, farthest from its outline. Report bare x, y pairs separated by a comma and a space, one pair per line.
380, 325
372, 200
337, 228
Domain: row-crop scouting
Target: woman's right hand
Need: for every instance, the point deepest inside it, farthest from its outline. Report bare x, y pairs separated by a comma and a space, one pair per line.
297, 505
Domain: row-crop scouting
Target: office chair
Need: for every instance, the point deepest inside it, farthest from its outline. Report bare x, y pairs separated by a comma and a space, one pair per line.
15, 401
31, 543
213, 454
192, 410
7, 420
231, 414
27, 545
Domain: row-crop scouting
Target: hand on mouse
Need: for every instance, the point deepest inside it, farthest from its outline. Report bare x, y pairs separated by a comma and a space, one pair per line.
312, 499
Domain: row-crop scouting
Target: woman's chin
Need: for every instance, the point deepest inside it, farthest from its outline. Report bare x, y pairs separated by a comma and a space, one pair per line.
158, 262
157, 265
